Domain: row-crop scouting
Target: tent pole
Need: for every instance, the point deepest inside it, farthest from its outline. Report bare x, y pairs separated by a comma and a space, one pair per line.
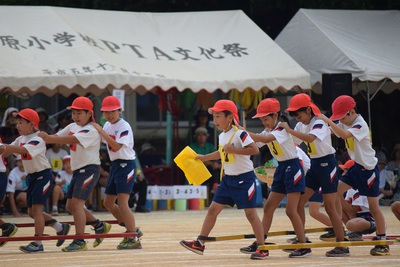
168, 152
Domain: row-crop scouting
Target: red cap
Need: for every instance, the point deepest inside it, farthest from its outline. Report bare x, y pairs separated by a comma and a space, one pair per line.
302, 101
267, 106
82, 102
66, 158
110, 103
222, 105
29, 115
348, 164
341, 106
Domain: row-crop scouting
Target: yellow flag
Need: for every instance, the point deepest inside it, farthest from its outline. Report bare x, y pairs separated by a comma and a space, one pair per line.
195, 170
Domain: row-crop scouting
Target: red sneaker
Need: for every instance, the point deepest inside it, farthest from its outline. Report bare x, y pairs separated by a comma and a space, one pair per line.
193, 246
260, 255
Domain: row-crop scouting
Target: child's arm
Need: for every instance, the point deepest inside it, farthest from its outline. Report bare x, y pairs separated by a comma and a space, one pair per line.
342, 133
55, 139
211, 156
262, 138
309, 138
110, 141
6, 150
250, 149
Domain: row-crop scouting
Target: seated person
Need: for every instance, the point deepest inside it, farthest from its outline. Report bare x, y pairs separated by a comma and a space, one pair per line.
356, 216
16, 188
387, 183
139, 188
149, 157
55, 155
61, 183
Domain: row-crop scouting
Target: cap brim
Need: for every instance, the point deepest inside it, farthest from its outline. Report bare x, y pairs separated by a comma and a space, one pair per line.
259, 115
342, 166
336, 117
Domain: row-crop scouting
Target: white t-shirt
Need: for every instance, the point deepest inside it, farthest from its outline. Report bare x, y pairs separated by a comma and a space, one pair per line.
235, 164
15, 181
55, 159
35, 160
322, 145
87, 151
283, 148
121, 132
359, 145
63, 176
304, 159
385, 176
355, 199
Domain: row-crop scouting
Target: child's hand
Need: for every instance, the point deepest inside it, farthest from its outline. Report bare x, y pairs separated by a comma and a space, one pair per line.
322, 117
200, 157
229, 148
43, 135
285, 125
96, 126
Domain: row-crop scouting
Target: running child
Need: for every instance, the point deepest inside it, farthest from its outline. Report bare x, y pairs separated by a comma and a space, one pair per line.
364, 175
288, 177
32, 149
118, 136
84, 144
324, 171
238, 185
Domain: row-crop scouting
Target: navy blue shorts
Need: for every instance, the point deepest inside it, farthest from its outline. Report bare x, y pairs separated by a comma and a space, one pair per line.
3, 185
366, 216
366, 181
238, 189
323, 173
122, 177
39, 187
83, 181
317, 196
288, 177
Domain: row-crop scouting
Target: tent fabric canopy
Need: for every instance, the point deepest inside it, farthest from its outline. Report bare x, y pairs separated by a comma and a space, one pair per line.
361, 42
64, 50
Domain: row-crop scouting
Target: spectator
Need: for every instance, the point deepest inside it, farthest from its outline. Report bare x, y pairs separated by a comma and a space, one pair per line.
63, 120
44, 126
55, 155
149, 157
394, 164
139, 189
8, 133
16, 188
202, 119
387, 183
61, 183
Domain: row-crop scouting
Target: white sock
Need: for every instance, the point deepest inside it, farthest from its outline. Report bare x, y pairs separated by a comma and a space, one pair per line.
55, 208
57, 226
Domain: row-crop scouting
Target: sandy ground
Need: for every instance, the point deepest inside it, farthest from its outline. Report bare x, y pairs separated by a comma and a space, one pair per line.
164, 229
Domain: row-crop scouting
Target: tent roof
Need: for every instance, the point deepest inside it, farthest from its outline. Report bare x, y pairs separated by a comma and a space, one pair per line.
64, 50
363, 43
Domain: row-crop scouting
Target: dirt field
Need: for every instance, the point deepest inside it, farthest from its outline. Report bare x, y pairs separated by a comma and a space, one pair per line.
164, 229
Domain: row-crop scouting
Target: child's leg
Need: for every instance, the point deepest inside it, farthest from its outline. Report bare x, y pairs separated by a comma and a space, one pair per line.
109, 204
36, 212
330, 208
79, 214
211, 217
358, 225
273, 201
314, 210
396, 209
376, 212
302, 203
252, 217
125, 212
292, 203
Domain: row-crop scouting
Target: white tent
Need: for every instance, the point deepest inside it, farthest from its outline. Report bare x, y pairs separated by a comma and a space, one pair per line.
63, 50
364, 43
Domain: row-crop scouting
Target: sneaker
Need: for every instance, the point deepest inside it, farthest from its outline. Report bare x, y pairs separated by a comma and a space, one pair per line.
103, 229
354, 236
129, 243
139, 232
193, 246
330, 236
10, 231
32, 247
250, 249
293, 241
259, 255
76, 245
54, 213
300, 253
338, 252
380, 251
65, 230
